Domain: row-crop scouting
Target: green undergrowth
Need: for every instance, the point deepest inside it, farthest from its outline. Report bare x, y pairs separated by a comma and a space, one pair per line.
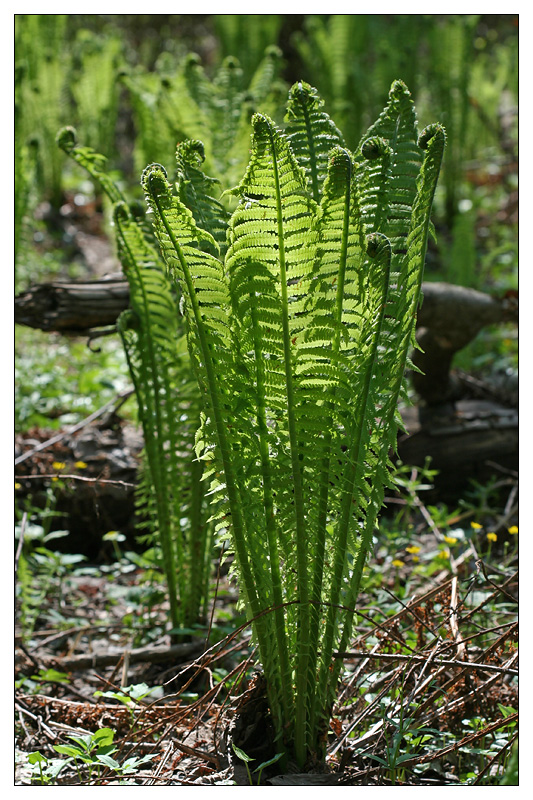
59, 381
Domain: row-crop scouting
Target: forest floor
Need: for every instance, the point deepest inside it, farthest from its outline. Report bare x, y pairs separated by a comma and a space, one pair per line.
428, 694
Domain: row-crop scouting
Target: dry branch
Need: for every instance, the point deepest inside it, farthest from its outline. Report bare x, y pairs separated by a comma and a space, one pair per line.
152, 655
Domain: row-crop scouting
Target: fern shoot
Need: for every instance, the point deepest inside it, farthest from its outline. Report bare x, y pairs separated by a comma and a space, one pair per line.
171, 492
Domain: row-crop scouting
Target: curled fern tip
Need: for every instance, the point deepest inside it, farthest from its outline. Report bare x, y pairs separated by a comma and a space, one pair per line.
399, 89
429, 132
376, 243
375, 147
67, 139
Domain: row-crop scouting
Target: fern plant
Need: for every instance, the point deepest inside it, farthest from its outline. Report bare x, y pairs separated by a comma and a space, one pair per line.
95, 90
171, 491
41, 94
299, 337
352, 59
249, 35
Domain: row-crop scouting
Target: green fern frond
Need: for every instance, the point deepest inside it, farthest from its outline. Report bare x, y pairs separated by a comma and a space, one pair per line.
265, 76
196, 189
389, 165
311, 133
169, 408
94, 89
94, 163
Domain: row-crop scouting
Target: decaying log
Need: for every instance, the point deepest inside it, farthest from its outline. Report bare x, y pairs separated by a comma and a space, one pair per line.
466, 440
154, 654
449, 318
73, 307
469, 439
95, 485
462, 436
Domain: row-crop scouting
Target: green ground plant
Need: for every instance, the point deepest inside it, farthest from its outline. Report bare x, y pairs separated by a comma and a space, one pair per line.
252, 420
300, 368
91, 754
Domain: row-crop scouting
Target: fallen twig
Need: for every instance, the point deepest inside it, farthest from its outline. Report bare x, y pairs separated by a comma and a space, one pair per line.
21, 540
152, 655
82, 478
438, 662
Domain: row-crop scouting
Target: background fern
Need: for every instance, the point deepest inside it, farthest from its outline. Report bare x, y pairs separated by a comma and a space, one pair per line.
179, 103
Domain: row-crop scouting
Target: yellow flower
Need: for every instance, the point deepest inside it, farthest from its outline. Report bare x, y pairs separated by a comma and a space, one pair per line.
513, 529
80, 465
476, 526
444, 553
58, 465
18, 485
397, 563
416, 558
413, 549
450, 540
55, 478
492, 537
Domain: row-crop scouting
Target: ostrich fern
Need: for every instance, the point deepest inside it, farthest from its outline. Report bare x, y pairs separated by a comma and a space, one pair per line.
299, 336
171, 492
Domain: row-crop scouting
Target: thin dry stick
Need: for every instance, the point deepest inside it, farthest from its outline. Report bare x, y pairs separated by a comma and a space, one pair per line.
23, 710
481, 565
415, 601
164, 758
491, 597
369, 708
21, 540
454, 624
489, 764
83, 478
438, 662
459, 702
447, 646
355, 676
467, 740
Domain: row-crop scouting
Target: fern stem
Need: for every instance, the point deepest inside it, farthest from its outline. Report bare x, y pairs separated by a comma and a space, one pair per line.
302, 649
197, 569
154, 442
268, 502
354, 463
412, 288
261, 620
323, 507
